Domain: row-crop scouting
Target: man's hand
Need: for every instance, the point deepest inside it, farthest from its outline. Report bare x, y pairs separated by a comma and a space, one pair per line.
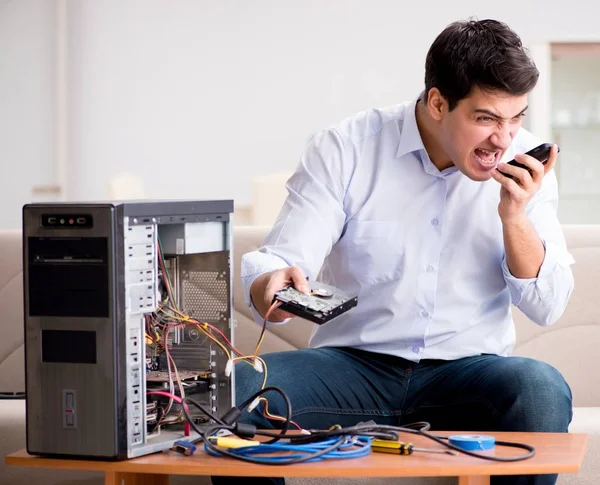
264, 287
516, 193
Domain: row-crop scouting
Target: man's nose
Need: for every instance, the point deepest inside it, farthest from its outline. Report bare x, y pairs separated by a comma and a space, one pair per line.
503, 136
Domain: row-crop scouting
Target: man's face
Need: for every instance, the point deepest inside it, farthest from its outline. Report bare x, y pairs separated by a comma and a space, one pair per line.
477, 132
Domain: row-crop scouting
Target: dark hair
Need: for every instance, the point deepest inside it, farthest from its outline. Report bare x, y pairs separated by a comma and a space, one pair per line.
482, 53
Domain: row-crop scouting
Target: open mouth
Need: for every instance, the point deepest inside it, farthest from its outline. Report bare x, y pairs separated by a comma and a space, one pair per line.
488, 158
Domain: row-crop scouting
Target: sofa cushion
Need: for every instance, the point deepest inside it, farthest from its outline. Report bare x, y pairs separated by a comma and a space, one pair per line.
12, 372
247, 333
245, 239
570, 349
585, 420
570, 344
248, 238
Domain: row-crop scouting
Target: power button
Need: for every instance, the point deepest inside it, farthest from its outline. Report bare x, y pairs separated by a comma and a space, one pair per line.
69, 399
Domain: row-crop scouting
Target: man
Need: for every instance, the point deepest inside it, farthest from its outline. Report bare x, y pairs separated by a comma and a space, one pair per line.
407, 207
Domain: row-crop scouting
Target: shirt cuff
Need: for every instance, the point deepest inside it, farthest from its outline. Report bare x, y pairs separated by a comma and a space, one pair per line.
544, 282
259, 319
255, 264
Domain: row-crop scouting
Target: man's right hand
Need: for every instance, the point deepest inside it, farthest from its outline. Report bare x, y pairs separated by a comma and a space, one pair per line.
264, 287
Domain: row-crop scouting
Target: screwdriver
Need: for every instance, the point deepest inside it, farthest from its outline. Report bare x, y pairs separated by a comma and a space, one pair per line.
400, 448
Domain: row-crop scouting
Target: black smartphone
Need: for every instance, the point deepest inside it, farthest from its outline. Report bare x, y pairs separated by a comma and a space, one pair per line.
540, 152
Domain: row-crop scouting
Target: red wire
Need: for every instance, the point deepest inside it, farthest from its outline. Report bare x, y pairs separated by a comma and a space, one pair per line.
211, 327
276, 418
186, 426
275, 305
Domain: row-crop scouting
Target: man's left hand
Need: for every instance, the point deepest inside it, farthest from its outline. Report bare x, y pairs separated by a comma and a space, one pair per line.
516, 193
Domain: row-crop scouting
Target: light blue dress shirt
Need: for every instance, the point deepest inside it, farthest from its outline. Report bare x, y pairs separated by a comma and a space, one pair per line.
370, 213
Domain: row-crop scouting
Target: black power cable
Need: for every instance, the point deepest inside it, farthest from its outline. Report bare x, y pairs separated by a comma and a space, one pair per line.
372, 430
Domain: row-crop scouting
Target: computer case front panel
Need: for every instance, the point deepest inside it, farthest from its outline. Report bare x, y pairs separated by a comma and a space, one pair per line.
94, 378
69, 332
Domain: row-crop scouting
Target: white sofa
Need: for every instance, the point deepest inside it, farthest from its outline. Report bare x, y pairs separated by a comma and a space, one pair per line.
571, 345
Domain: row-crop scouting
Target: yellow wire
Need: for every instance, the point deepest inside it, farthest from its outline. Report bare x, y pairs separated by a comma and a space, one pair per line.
202, 326
266, 372
274, 416
248, 359
182, 317
177, 377
258, 345
215, 341
175, 314
273, 306
174, 310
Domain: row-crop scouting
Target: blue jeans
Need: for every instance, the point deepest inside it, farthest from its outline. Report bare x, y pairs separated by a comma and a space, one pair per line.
344, 386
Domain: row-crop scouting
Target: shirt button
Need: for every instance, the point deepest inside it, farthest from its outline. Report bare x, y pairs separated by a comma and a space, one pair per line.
424, 314
415, 349
434, 222
429, 269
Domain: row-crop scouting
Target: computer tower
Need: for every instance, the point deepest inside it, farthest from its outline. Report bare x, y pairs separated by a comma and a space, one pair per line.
124, 302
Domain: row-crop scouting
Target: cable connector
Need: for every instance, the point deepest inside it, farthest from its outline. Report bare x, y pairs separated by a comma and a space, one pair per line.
258, 366
231, 416
228, 367
184, 447
244, 430
253, 404
230, 442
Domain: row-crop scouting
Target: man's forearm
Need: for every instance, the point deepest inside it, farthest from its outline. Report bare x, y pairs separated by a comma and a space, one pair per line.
524, 249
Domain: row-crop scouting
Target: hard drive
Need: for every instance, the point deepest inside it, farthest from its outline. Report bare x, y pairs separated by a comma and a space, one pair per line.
323, 304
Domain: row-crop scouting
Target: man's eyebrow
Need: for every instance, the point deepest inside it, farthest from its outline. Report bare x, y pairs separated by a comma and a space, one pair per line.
496, 115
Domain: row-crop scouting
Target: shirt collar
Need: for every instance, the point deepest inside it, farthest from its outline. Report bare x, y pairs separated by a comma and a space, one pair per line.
410, 138
411, 141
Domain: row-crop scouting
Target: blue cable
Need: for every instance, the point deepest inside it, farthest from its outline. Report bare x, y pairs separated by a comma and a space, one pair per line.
363, 448
352, 447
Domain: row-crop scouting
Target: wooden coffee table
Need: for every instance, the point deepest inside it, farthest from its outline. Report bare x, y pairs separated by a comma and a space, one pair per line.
555, 453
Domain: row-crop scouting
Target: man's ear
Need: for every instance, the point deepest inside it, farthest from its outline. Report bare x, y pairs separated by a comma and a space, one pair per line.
436, 104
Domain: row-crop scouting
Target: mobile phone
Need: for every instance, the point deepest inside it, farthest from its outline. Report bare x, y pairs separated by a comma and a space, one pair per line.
540, 152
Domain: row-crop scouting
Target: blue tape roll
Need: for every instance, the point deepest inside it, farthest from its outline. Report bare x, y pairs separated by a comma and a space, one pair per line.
472, 442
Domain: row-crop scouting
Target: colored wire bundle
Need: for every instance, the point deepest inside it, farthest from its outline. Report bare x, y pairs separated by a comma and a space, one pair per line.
169, 318
337, 442
343, 447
